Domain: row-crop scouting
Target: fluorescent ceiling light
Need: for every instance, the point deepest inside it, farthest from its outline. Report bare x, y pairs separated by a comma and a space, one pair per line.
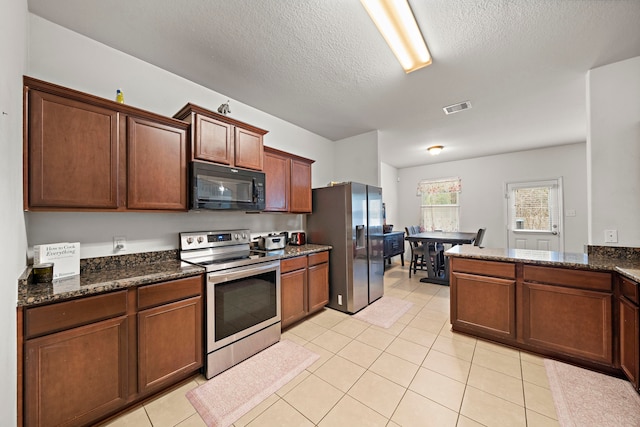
399, 28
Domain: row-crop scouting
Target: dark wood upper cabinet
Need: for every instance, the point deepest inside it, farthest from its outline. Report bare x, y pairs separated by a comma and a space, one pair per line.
213, 140
157, 166
85, 153
300, 186
73, 153
278, 180
220, 139
288, 186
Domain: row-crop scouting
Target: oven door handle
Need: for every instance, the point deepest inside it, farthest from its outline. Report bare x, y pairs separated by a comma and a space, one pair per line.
241, 272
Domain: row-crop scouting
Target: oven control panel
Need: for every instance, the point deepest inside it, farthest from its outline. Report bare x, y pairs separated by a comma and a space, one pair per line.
213, 239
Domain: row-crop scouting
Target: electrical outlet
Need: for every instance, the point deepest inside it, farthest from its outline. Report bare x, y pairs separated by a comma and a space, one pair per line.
119, 244
611, 236
339, 299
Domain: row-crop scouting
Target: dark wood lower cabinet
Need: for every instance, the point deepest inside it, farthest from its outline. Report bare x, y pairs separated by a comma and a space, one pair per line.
293, 296
76, 376
574, 322
82, 358
558, 312
484, 304
630, 330
169, 342
304, 286
318, 276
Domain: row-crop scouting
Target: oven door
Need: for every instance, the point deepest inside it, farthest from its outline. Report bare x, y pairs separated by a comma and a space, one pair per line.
241, 301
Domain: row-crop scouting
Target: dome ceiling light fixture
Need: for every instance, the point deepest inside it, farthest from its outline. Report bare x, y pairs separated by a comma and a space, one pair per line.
398, 26
434, 150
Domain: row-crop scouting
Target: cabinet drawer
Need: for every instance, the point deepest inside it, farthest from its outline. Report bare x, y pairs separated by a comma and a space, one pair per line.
485, 268
629, 289
65, 315
584, 279
175, 290
291, 264
318, 258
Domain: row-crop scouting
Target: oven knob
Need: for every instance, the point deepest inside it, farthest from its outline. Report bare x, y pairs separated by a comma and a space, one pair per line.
189, 240
237, 236
244, 236
200, 239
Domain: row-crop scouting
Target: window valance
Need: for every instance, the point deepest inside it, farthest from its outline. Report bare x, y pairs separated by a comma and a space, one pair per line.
448, 185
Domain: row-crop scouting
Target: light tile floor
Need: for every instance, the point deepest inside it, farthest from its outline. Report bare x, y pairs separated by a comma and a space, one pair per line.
416, 373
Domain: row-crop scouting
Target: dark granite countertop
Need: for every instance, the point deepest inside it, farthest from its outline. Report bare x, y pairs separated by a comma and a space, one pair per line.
291, 251
105, 274
623, 260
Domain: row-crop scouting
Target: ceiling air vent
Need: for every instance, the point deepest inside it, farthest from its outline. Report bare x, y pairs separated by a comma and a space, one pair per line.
455, 108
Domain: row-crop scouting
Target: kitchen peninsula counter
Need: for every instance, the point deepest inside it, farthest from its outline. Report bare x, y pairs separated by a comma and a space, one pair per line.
625, 261
576, 307
105, 274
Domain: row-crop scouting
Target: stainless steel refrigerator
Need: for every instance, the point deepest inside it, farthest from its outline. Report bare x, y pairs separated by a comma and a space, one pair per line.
348, 216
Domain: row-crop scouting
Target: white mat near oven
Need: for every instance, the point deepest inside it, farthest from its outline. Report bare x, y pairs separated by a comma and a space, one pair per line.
384, 312
225, 398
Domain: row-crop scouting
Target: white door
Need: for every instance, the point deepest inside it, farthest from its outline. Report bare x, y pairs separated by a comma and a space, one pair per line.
534, 215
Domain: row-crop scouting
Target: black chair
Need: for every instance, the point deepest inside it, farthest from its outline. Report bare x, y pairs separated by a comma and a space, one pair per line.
417, 253
478, 240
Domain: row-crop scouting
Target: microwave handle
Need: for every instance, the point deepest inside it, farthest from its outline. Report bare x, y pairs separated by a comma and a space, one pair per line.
254, 190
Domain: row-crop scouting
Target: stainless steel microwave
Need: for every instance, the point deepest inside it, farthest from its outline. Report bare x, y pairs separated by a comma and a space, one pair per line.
225, 188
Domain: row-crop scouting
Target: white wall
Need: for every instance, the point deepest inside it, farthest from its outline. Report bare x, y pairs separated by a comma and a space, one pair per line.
356, 159
483, 180
13, 33
389, 184
61, 56
613, 147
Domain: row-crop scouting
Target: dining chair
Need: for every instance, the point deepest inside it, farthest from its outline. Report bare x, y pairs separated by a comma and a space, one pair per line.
417, 253
478, 240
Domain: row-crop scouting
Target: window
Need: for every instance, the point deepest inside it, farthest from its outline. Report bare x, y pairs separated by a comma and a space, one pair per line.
440, 204
534, 206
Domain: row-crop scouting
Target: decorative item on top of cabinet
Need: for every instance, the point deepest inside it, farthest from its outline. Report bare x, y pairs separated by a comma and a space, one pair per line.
304, 286
288, 186
220, 139
85, 153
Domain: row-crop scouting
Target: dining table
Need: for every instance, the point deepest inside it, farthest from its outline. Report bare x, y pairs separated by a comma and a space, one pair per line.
445, 237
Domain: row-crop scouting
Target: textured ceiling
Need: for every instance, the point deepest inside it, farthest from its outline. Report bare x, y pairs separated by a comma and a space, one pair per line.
322, 65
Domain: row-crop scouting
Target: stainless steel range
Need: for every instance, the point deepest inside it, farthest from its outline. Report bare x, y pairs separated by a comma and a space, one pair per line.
243, 295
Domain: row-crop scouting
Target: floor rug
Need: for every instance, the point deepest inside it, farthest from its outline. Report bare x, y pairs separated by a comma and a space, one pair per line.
586, 398
384, 312
226, 397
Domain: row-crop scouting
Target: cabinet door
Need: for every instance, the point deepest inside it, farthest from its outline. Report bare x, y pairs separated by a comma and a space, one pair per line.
73, 154
277, 171
213, 140
574, 322
157, 166
248, 149
169, 343
629, 340
483, 304
76, 376
300, 201
293, 296
318, 282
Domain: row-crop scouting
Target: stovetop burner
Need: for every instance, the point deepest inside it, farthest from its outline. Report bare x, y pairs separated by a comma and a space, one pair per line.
220, 250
